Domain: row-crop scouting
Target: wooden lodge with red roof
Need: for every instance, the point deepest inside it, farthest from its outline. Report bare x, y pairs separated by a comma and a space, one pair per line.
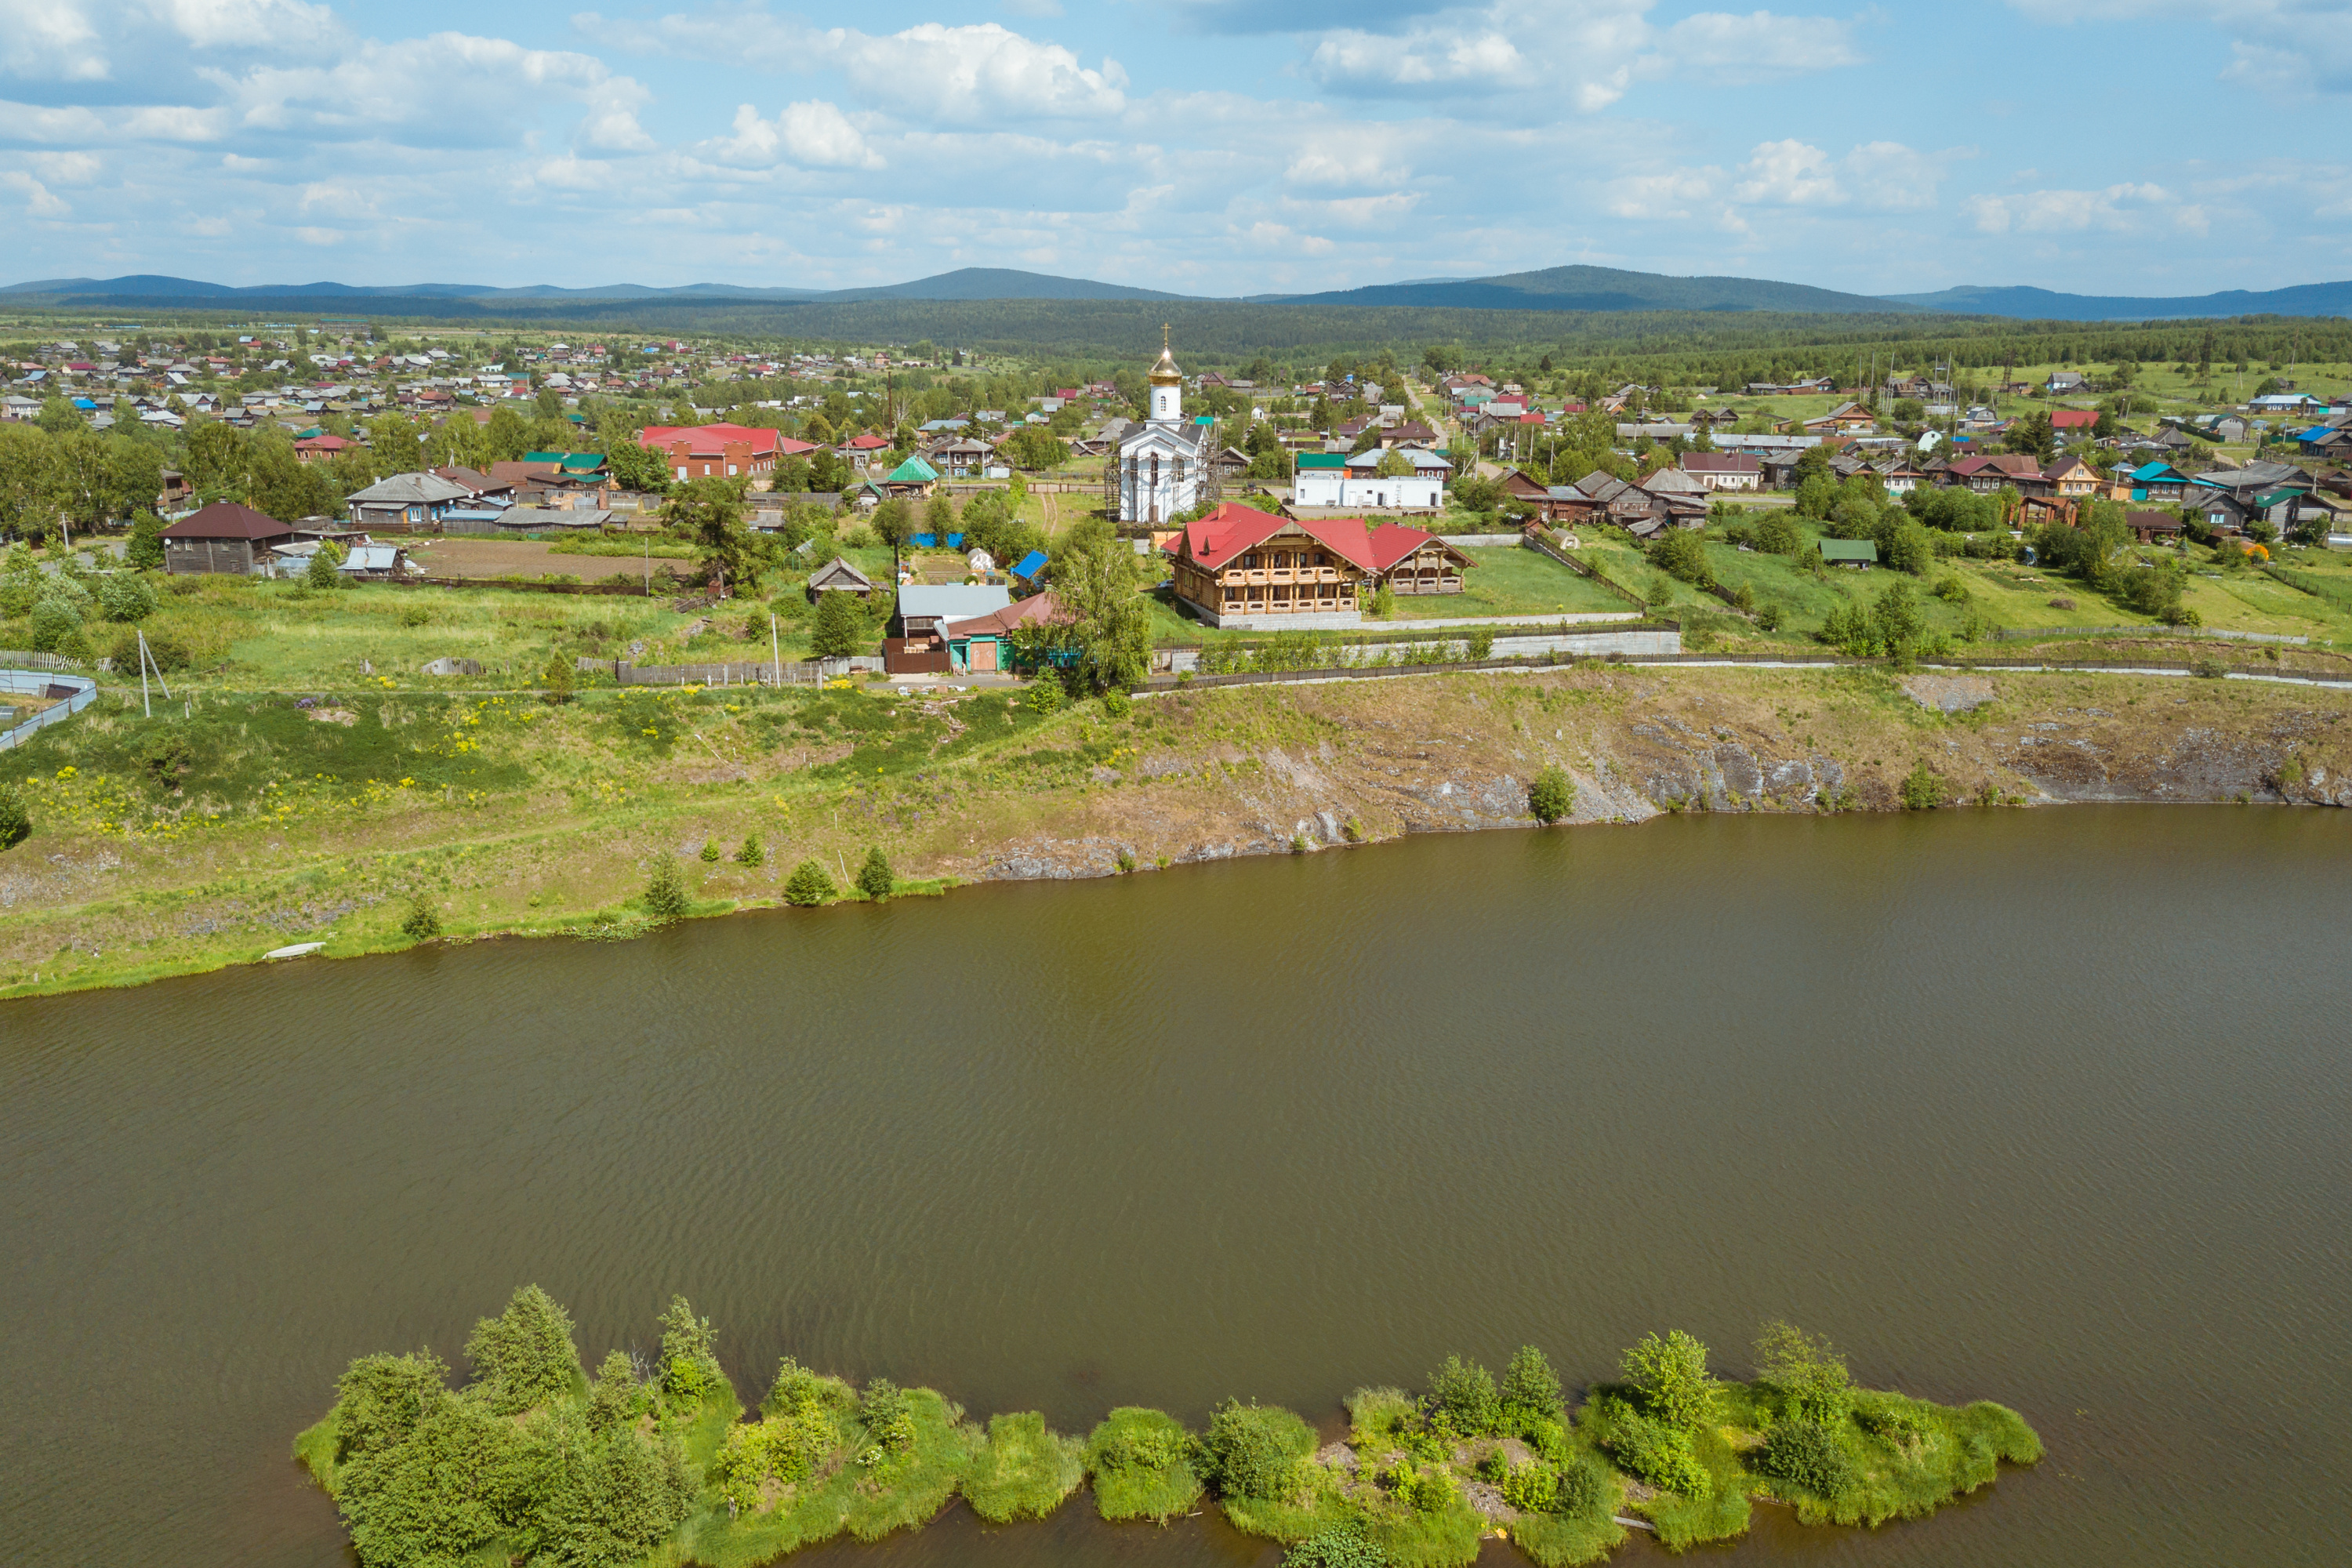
1237, 566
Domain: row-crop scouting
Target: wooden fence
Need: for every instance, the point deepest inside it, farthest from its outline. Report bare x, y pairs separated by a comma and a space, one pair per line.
758, 672
613, 590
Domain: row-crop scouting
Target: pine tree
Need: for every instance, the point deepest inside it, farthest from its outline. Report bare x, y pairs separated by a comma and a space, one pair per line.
809, 886
875, 879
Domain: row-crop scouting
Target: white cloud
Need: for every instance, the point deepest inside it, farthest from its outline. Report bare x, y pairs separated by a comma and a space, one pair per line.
1757, 47
1592, 50
1790, 175
38, 201
815, 135
976, 74
2300, 46
414, 84
248, 24
49, 39
1877, 176
2115, 208
973, 74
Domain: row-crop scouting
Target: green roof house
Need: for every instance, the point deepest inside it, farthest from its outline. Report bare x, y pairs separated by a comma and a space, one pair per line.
912, 477
1862, 554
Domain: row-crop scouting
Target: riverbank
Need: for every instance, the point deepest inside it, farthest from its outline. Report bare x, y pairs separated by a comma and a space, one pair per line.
245, 823
656, 1462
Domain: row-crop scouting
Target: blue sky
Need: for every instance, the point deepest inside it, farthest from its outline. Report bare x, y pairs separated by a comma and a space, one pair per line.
1206, 146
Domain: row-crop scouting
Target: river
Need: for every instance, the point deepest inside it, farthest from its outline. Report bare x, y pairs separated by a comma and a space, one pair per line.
2043, 1107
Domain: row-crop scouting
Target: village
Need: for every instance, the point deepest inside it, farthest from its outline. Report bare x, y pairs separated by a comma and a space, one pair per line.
938, 488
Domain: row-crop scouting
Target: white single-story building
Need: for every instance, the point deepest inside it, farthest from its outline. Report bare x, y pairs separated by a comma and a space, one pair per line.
1332, 480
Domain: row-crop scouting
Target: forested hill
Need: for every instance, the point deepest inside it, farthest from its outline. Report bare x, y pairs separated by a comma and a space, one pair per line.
2042, 305
1556, 289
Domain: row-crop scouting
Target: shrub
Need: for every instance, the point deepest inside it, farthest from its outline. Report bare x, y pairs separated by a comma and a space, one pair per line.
1341, 1546
1805, 1454
557, 679
839, 629
1778, 535
1481, 644
16, 825
888, 1420
1890, 1416
1809, 1374
1117, 703
666, 899
1531, 1488
1254, 1450
1679, 553
810, 885
1379, 1412
56, 628
1462, 1397
125, 596
166, 757
422, 922
1531, 1390
1141, 1464
1552, 795
1580, 1490
1952, 590
690, 1347
526, 1352
1023, 1470
1659, 1454
1924, 789
709, 854
1671, 1373
380, 1399
145, 551
1044, 695
875, 879
753, 852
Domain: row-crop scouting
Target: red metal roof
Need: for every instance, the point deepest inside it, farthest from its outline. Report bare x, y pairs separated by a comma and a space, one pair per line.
715, 438
227, 519
2073, 418
1021, 612
1214, 540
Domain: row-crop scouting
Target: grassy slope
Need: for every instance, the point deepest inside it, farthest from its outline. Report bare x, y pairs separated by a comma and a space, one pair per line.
510, 816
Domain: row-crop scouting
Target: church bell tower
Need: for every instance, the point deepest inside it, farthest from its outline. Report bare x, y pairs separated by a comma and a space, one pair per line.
1167, 385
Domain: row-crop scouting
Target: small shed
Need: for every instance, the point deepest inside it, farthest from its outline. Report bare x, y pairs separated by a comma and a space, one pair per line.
2152, 527
838, 576
1860, 553
374, 562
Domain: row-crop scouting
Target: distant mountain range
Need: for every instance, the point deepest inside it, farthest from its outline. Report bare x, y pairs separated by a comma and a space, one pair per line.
1584, 289
1602, 289
966, 283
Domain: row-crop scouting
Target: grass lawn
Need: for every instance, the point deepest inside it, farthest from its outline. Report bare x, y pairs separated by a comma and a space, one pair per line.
1506, 580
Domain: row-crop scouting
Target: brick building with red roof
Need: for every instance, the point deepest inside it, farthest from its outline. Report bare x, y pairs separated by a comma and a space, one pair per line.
720, 451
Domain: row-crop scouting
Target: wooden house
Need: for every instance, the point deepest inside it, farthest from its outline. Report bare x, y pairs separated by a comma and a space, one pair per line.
223, 537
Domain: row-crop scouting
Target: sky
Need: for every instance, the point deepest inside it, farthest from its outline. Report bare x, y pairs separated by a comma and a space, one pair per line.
1217, 147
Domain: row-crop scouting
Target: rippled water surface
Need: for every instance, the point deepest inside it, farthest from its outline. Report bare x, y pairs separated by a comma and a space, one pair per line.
2047, 1107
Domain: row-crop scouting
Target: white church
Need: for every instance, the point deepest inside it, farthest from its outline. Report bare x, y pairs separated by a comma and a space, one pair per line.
1163, 462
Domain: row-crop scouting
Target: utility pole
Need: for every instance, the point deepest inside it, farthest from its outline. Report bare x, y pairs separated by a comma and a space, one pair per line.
775, 649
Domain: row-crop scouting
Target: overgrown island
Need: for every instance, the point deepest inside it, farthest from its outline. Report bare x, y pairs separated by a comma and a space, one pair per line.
653, 1461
